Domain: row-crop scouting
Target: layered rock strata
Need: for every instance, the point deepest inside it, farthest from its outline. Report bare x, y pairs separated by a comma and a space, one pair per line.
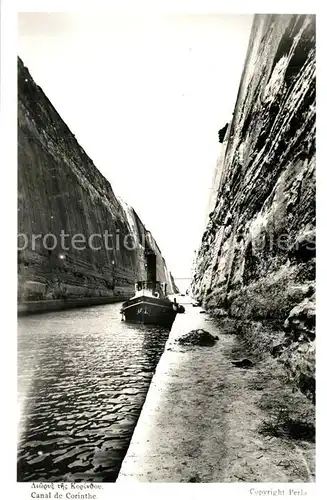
257, 256
77, 242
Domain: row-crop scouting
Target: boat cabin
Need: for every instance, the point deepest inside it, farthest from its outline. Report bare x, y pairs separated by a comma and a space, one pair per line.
151, 288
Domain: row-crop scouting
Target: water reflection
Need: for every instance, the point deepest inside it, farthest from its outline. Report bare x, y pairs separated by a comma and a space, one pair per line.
83, 376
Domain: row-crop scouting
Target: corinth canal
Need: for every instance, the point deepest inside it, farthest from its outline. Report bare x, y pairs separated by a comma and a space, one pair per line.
154, 186
83, 376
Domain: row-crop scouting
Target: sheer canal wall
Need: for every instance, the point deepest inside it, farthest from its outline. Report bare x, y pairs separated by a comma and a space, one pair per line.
78, 243
256, 261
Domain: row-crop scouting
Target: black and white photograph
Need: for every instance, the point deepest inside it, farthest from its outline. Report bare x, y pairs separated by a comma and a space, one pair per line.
166, 250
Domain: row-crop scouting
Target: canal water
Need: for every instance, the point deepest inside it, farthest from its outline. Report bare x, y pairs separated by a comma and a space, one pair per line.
83, 376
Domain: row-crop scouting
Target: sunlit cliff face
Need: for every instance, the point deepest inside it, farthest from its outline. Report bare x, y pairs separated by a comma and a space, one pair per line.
257, 255
75, 237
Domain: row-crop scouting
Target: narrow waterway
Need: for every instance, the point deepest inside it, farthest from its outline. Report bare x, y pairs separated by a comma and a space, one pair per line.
83, 376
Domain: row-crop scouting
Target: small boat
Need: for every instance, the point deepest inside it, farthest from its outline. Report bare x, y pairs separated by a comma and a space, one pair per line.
150, 304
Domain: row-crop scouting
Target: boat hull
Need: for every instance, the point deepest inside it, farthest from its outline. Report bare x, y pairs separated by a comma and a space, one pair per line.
148, 310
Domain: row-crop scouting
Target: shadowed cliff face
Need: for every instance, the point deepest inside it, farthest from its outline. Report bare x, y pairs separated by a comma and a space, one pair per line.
60, 192
257, 257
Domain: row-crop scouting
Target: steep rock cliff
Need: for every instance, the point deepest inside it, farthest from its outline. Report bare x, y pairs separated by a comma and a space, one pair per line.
257, 257
60, 192
143, 237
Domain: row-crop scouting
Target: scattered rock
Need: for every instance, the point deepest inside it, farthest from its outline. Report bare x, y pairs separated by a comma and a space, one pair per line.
276, 349
304, 248
284, 463
244, 363
198, 337
220, 313
301, 321
298, 350
194, 479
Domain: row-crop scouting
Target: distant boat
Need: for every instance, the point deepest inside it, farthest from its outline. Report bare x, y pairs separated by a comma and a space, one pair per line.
150, 304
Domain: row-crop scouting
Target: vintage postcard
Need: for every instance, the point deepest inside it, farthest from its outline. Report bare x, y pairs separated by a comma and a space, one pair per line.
166, 252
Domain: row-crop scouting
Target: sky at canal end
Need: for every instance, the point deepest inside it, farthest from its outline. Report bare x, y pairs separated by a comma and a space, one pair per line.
145, 98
